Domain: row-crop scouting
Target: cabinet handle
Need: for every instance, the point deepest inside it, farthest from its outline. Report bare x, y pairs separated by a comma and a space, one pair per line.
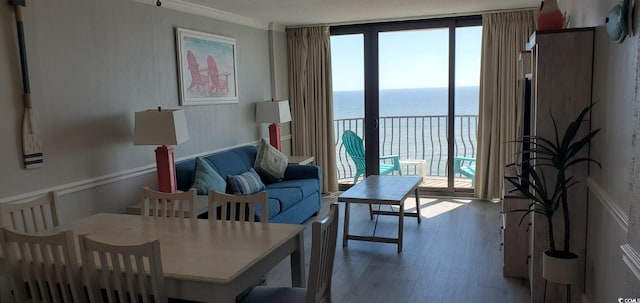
528, 258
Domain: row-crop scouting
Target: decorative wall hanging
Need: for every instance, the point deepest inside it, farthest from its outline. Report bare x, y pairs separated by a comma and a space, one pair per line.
620, 21
31, 141
207, 68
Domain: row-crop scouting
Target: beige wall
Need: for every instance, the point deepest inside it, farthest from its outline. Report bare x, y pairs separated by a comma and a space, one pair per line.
93, 64
613, 200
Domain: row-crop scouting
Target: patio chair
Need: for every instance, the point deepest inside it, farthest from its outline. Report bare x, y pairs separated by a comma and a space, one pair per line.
355, 148
465, 166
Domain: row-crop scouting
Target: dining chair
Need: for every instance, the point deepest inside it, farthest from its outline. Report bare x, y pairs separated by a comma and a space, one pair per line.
134, 271
323, 248
238, 207
42, 268
32, 215
168, 205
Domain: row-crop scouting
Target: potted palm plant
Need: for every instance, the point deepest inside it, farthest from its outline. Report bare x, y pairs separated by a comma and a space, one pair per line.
554, 157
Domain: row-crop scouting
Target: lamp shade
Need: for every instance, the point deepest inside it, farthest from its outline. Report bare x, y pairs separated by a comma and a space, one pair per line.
160, 127
273, 112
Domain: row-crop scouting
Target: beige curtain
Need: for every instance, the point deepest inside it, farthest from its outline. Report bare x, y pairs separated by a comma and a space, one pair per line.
504, 36
311, 99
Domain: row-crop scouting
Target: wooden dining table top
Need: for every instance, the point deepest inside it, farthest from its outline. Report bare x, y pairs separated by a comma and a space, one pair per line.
192, 249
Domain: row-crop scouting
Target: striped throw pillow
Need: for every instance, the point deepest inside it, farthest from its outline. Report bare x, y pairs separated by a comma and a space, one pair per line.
246, 183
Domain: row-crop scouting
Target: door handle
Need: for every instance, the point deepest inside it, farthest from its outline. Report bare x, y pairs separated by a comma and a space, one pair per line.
376, 123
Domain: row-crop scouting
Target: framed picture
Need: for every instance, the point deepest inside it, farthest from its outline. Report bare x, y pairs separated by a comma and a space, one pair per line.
207, 68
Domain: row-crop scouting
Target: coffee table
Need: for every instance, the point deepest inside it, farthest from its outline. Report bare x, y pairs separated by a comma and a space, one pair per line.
386, 190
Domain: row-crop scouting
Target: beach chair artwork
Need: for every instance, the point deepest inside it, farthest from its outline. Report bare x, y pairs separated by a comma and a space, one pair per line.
207, 68
207, 81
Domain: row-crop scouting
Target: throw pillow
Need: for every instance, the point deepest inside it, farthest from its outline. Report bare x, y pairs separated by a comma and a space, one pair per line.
246, 183
206, 178
270, 162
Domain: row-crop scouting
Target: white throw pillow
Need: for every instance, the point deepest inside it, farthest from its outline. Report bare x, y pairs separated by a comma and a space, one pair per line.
270, 162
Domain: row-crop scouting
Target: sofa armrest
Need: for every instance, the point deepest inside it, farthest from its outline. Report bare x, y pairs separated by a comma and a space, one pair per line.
295, 171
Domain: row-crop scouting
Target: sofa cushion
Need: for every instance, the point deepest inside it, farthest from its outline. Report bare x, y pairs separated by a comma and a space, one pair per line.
306, 186
270, 162
234, 161
246, 183
287, 197
206, 178
274, 208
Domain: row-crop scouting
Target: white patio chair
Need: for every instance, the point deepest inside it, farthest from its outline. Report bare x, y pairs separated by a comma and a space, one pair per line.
32, 215
238, 207
323, 248
168, 205
128, 273
42, 268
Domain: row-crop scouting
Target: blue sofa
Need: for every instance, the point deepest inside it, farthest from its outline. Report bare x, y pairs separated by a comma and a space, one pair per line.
292, 200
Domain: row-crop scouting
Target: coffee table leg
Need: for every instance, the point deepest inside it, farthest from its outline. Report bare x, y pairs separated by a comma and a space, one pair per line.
418, 206
345, 234
400, 226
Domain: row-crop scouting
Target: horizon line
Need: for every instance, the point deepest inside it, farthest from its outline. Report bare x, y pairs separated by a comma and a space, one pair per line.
356, 90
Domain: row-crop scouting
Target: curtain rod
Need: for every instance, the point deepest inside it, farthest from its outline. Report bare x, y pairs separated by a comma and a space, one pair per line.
465, 14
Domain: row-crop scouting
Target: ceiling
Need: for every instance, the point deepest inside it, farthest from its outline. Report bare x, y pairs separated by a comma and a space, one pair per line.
306, 12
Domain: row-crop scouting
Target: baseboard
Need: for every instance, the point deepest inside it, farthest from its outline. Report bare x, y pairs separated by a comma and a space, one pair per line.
631, 257
607, 202
86, 184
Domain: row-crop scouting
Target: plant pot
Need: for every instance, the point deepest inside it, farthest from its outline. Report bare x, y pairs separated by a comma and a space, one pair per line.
562, 268
550, 17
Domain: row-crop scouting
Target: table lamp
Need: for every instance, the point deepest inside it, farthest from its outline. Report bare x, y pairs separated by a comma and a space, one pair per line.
165, 128
274, 112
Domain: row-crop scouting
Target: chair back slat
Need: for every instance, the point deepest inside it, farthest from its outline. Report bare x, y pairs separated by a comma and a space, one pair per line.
238, 207
127, 273
31, 216
43, 268
323, 247
168, 205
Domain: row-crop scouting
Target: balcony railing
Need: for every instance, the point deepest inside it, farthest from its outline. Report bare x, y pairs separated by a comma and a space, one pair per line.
412, 137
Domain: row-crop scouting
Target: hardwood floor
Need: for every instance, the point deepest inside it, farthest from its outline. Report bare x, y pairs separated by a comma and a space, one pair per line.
452, 256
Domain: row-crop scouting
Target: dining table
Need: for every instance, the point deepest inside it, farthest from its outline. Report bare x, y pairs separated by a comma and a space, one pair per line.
204, 260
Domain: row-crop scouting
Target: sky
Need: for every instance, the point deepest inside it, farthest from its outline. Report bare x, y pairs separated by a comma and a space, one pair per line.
408, 59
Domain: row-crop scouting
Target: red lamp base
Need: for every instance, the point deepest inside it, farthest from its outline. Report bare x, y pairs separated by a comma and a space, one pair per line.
274, 136
165, 163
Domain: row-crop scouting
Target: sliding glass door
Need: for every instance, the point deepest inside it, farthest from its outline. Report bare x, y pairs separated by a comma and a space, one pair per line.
417, 98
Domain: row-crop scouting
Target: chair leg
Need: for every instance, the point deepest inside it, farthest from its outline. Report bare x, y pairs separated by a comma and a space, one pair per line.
370, 211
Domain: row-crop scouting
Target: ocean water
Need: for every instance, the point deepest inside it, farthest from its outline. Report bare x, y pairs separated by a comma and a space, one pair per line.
411, 138
407, 102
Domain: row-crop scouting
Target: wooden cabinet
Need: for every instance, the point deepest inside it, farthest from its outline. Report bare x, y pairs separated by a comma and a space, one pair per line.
561, 70
515, 234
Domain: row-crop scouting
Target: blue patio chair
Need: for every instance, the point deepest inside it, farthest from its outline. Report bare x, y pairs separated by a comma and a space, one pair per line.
355, 148
465, 166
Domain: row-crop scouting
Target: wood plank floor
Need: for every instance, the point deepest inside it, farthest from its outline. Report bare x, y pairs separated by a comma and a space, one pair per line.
452, 256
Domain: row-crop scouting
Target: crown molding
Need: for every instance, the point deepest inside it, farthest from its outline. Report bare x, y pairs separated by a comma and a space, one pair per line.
201, 10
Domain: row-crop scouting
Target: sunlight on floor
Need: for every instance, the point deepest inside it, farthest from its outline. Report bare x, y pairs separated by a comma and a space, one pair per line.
432, 207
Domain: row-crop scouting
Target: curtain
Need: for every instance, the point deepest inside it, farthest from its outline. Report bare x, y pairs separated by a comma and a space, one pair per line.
311, 99
504, 36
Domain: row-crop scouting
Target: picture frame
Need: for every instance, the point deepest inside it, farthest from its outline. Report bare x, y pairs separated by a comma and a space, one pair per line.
207, 68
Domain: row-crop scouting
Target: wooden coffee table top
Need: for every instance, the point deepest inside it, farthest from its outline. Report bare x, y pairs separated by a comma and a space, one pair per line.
381, 189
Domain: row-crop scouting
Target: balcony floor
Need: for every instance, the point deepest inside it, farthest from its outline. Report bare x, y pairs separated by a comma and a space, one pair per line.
429, 182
